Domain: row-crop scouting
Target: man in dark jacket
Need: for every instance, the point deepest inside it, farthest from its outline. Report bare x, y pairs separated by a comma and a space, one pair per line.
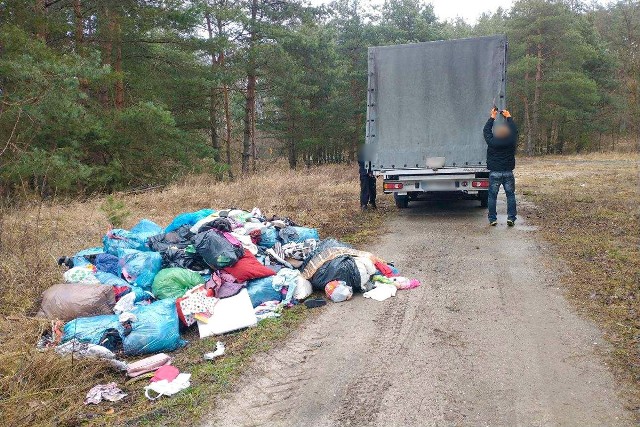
367, 186
501, 161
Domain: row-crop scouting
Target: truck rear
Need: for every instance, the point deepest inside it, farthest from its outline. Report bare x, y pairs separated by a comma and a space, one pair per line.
426, 106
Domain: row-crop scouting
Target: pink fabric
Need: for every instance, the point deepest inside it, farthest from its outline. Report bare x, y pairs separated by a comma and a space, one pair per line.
166, 372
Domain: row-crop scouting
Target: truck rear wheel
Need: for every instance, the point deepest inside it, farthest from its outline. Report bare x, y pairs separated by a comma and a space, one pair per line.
484, 199
402, 202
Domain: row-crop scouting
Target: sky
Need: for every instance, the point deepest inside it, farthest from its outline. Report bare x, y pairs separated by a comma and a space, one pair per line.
469, 10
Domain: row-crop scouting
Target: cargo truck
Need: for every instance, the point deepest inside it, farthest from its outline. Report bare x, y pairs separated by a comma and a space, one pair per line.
426, 106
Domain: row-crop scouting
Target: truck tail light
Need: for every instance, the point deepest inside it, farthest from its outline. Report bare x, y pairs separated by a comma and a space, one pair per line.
393, 186
480, 184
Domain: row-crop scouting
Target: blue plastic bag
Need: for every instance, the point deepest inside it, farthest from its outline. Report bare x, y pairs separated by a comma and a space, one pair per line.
79, 259
139, 267
91, 329
156, 329
136, 238
107, 263
305, 233
110, 279
189, 218
262, 290
268, 237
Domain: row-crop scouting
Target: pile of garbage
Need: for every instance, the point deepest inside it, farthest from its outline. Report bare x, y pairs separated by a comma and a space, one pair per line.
220, 270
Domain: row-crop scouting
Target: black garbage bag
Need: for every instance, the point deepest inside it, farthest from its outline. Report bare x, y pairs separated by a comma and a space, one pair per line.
322, 246
179, 238
184, 258
216, 250
220, 224
341, 268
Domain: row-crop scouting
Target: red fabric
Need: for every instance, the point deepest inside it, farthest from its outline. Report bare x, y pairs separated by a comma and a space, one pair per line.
248, 268
255, 236
166, 372
384, 268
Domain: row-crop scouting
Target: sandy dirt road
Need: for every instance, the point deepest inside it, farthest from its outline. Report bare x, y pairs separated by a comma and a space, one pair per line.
487, 340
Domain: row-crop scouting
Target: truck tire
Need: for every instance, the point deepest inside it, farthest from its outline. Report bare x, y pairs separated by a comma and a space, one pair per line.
483, 196
402, 202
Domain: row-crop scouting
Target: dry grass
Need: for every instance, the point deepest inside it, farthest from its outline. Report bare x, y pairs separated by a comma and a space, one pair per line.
588, 208
42, 389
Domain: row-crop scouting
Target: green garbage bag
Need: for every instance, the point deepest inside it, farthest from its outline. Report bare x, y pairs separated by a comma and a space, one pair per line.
174, 282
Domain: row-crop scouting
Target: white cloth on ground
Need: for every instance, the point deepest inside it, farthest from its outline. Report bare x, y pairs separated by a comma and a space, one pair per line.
381, 292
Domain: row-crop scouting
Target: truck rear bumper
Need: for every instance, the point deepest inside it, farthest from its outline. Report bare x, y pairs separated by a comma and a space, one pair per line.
458, 180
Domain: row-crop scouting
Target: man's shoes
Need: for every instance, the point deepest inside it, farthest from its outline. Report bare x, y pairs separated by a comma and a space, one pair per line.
493, 223
363, 207
511, 222
374, 206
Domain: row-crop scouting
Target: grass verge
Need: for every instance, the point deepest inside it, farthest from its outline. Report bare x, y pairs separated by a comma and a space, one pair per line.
588, 208
39, 388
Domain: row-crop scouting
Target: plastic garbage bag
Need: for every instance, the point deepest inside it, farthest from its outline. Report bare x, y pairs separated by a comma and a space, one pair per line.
216, 250
338, 291
136, 238
303, 289
305, 233
155, 329
184, 258
188, 218
84, 274
106, 263
179, 238
268, 237
104, 330
261, 290
111, 279
67, 301
174, 282
341, 268
79, 259
139, 267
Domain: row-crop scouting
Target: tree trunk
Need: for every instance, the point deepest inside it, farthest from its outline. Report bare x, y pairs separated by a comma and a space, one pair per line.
227, 119
527, 117
119, 85
79, 24
536, 95
249, 110
213, 113
107, 50
41, 21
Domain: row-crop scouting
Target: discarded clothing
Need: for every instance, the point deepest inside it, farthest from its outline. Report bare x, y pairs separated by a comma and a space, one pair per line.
157, 389
268, 310
248, 268
166, 372
381, 292
148, 364
101, 392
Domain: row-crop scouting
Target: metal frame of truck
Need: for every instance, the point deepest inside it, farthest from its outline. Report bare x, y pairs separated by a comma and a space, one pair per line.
468, 178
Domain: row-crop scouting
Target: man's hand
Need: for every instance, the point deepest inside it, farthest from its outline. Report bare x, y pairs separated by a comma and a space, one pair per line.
505, 113
494, 112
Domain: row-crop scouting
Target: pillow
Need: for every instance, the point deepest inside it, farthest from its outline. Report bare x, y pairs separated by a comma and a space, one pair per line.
248, 268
